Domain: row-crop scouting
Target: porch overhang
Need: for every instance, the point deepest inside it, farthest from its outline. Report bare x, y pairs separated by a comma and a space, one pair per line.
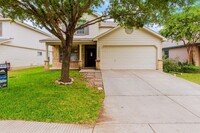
56, 41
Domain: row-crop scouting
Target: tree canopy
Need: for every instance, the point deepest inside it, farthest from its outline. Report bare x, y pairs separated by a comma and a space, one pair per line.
50, 14
184, 26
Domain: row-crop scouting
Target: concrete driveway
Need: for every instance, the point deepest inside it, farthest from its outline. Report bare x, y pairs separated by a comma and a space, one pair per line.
147, 101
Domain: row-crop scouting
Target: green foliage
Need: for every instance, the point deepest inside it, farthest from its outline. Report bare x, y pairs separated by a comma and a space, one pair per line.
171, 65
137, 13
183, 26
190, 69
33, 95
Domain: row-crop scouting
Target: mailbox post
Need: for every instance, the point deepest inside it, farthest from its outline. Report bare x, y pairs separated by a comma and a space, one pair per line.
3, 76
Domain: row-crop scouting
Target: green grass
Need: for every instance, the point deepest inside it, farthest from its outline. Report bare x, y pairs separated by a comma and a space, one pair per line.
33, 95
193, 77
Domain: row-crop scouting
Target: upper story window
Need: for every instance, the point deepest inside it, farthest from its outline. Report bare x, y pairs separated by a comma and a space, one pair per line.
1, 29
82, 32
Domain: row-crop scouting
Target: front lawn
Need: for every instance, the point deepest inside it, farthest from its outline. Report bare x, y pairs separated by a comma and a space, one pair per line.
32, 95
193, 77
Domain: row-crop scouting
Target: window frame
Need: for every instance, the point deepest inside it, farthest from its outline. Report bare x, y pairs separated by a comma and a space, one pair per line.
80, 31
74, 52
166, 53
39, 53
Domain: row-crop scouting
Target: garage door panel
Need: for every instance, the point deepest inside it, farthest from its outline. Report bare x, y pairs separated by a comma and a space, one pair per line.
128, 57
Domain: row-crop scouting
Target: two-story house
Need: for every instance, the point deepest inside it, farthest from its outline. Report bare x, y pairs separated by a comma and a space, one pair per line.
106, 45
19, 44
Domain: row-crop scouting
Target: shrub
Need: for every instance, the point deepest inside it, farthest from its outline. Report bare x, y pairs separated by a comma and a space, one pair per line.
171, 65
190, 69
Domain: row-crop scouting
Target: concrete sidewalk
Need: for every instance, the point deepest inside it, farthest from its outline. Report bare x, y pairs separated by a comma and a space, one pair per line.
11, 126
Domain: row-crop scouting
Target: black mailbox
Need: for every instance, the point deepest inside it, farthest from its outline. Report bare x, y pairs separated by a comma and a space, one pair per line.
3, 75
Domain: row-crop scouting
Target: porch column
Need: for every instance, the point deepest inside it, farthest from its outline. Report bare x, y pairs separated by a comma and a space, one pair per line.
98, 57
46, 62
80, 56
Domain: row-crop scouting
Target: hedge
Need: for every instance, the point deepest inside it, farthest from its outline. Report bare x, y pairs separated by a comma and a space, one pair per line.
190, 69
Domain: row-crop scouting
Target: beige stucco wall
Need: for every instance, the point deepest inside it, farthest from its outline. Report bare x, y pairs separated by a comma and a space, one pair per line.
103, 29
181, 54
178, 53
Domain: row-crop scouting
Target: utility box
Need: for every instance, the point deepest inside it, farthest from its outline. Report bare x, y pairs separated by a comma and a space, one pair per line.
3, 76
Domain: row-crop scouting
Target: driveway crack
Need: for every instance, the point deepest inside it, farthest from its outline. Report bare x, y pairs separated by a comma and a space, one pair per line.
152, 128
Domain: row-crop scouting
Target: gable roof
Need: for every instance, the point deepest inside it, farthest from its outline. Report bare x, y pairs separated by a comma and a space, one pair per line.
26, 25
4, 40
169, 44
117, 27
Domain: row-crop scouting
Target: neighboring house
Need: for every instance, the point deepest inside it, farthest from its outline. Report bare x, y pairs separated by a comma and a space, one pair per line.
179, 52
19, 44
108, 46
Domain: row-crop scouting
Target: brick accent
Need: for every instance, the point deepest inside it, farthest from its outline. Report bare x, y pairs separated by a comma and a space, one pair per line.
80, 64
160, 65
56, 60
97, 64
56, 57
74, 65
46, 65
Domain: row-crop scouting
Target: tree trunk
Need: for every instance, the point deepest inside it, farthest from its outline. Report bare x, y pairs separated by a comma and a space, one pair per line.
66, 59
190, 57
190, 54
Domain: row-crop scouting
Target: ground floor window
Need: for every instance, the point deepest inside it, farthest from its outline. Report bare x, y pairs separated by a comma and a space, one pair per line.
74, 54
39, 53
166, 53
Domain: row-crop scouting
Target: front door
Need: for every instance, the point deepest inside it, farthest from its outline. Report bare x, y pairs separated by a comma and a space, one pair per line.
90, 56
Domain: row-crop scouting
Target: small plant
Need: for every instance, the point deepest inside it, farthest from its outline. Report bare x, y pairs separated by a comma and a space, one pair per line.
171, 65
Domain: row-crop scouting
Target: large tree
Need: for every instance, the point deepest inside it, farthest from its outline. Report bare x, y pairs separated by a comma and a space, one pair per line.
184, 27
50, 14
